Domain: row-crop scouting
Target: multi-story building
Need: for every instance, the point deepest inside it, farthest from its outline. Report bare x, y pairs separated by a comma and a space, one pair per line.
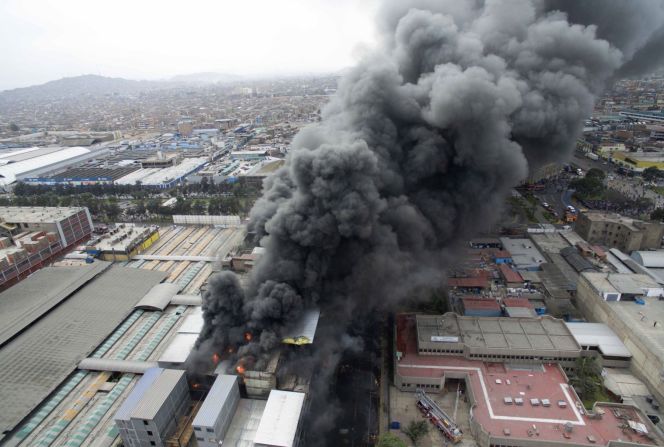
214, 416
630, 305
37, 235
151, 412
616, 231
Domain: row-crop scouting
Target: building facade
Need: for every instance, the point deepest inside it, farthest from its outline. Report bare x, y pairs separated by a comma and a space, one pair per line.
616, 231
214, 417
151, 413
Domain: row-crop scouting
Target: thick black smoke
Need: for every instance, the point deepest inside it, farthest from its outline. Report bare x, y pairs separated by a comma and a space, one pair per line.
417, 151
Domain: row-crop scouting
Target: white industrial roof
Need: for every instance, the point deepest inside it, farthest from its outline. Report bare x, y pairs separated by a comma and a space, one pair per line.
599, 335
280, 419
649, 258
10, 171
166, 175
193, 323
179, 349
138, 175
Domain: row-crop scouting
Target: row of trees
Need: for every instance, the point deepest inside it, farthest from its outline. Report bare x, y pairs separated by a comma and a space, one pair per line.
204, 188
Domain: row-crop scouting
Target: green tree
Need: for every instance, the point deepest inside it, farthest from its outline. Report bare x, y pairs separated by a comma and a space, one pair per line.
390, 440
588, 187
652, 173
416, 430
586, 378
658, 214
14, 128
596, 173
198, 207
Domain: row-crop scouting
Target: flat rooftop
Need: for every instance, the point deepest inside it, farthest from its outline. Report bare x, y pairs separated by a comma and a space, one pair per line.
242, 429
36, 214
491, 383
598, 216
640, 319
543, 333
34, 363
124, 236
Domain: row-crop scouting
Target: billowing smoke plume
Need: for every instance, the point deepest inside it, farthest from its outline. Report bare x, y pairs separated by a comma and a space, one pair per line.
418, 150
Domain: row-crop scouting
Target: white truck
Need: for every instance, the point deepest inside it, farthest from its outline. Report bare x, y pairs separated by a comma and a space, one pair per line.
592, 155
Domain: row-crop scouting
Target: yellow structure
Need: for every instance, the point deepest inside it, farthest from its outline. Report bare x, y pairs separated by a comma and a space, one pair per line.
130, 251
638, 161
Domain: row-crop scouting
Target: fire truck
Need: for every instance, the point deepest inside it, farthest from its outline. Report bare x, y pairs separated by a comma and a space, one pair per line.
438, 417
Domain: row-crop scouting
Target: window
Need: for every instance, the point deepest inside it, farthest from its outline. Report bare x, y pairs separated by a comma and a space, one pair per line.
145, 422
197, 428
153, 443
209, 430
149, 433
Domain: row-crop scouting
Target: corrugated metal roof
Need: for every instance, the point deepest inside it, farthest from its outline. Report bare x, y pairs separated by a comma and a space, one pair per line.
209, 412
158, 297
179, 349
9, 172
125, 410
304, 330
649, 258
280, 419
155, 396
34, 363
26, 301
600, 335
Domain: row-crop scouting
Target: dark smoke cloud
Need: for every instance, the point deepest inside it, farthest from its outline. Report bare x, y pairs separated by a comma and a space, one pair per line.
417, 151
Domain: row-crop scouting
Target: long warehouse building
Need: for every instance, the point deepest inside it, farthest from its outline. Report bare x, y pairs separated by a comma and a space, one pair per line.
49, 333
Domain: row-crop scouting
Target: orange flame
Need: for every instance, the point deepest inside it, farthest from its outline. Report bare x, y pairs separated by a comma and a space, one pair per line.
215, 358
230, 350
196, 386
248, 336
240, 369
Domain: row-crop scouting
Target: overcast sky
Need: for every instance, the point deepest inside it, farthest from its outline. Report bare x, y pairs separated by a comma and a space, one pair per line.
42, 40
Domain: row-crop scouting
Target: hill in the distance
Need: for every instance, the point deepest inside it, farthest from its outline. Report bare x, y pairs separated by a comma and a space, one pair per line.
95, 85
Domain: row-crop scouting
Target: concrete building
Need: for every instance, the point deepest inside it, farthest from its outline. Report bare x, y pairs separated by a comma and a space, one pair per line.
616, 231
39, 234
123, 241
516, 405
151, 413
620, 286
523, 340
639, 326
214, 417
71, 224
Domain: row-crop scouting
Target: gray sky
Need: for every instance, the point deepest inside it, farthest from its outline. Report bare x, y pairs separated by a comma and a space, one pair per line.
42, 40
